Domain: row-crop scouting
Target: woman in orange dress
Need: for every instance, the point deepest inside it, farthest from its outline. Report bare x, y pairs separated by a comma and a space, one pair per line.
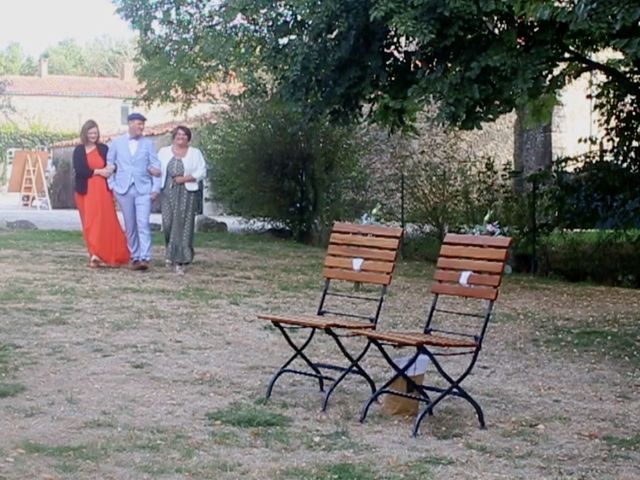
101, 229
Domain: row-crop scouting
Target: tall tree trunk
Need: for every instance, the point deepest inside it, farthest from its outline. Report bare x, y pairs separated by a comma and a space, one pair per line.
532, 148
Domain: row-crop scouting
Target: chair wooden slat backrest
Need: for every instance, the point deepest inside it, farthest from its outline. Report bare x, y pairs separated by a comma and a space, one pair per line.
362, 253
471, 266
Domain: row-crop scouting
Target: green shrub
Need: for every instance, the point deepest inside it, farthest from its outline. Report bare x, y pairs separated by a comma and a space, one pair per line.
421, 247
447, 195
607, 257
592, 192
269, 163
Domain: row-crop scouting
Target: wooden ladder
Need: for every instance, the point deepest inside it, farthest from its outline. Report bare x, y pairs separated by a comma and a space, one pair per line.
29, 194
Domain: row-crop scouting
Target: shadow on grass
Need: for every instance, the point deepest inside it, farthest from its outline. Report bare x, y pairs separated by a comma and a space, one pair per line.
621, 343
31, 240
7, 366
337, 471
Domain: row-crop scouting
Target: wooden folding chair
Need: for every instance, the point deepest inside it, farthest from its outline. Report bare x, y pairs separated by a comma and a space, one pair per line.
469, 267
360, 254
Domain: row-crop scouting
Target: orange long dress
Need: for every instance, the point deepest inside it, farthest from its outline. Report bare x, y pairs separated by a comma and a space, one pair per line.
100, 226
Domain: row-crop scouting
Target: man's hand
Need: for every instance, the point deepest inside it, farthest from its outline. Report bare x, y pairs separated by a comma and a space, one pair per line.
154, 196
155, 172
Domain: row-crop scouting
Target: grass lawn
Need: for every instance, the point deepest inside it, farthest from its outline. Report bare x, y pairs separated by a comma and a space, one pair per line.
115, 374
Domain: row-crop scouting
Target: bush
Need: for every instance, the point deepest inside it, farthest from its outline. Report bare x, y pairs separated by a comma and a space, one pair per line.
421, 247
587, 192
607, 257
596, 193
435, 178
452, 194
269, 163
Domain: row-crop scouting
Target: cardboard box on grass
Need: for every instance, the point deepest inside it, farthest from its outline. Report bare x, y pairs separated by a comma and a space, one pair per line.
395, 405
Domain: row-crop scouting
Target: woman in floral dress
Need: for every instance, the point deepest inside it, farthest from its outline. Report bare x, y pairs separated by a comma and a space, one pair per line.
182, 168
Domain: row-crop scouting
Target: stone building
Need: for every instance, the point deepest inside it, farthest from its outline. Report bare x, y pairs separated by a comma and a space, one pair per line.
63, 103
396, 160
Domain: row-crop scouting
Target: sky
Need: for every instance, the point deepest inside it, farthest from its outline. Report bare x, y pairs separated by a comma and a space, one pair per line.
38, 24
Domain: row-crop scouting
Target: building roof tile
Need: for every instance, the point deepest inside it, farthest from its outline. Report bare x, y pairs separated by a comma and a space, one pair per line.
70, 86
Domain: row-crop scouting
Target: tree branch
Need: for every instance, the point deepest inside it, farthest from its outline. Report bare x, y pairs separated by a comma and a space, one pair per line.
604, 68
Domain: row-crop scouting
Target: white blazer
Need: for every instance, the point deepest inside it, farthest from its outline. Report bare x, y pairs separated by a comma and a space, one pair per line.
194, 165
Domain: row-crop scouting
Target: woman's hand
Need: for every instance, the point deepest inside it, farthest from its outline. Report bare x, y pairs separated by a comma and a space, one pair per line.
180, 179
103, 172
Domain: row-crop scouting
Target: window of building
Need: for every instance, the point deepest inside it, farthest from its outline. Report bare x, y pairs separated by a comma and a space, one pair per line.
124, 112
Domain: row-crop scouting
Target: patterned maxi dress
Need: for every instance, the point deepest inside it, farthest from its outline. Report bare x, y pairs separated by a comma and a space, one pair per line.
178, 216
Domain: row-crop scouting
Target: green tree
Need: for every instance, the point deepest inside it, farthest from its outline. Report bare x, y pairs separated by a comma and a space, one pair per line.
65, 58
389, 58
13, 61
101, 57
104, 56
184, 45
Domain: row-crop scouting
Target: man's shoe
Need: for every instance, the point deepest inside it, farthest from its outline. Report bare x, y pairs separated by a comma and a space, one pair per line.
135, 265
144, 265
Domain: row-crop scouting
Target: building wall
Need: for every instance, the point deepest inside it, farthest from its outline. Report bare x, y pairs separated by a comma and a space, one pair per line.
67, 114
574, 120
494, 140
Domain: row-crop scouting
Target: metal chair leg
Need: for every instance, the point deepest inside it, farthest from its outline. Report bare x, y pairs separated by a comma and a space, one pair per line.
298, 352
353, 368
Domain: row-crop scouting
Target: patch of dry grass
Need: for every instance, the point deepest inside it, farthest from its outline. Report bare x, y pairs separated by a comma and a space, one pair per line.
130, 375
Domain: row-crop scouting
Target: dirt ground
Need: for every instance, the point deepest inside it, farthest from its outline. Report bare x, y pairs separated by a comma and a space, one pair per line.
115, 374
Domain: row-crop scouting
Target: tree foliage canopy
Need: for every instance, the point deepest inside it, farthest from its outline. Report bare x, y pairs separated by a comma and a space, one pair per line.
13, 61
389, 58
101, 57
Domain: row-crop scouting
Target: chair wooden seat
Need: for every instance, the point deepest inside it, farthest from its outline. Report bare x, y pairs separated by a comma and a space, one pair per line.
319, 321
416, 339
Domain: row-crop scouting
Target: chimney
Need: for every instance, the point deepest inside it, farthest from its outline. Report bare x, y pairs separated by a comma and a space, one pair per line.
43, 67
127, 72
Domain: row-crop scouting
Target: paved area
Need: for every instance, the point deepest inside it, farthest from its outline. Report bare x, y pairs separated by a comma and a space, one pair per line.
70, 220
